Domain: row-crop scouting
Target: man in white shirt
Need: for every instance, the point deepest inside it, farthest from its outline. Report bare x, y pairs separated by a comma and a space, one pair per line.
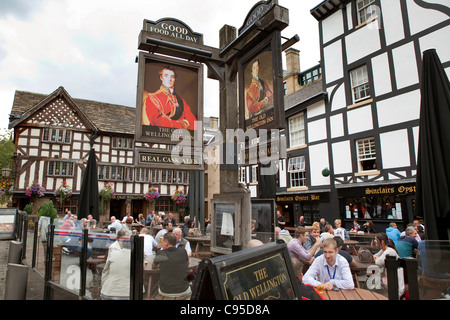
115, 224
166, 227
149, 242
330, 268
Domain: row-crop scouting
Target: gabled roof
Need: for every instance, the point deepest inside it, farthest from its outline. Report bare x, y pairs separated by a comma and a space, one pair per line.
100, 116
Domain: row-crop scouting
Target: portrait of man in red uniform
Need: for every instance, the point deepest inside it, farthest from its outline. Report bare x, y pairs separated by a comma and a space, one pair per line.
164, 107
259, 96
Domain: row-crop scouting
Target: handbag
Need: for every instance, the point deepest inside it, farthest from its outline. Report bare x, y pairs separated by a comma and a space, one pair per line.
365, 256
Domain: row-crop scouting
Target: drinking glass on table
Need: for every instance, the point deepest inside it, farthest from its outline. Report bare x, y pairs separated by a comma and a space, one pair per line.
320, 284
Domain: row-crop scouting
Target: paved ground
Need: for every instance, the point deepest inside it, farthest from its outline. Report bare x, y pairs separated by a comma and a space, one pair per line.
35, 286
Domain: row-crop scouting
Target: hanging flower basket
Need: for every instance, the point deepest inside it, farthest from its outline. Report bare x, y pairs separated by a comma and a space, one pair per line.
6, 187
6, 190
106, 194
35, 190
179, 197
152, 194
63, 192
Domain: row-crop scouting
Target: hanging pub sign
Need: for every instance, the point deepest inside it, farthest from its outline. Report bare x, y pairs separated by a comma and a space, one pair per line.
256, 13
260, 273
169, 100
173, 28
261, 104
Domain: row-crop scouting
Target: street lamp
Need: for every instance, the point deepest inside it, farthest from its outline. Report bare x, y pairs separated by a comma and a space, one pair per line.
6, 172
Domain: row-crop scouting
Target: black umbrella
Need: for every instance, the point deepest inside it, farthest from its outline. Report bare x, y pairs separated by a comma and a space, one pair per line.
433, 164
88, 203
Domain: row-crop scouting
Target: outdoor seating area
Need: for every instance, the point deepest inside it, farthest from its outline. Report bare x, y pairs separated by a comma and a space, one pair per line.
81, 262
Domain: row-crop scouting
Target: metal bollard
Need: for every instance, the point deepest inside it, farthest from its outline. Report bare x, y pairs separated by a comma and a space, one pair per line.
15, 252
16, 282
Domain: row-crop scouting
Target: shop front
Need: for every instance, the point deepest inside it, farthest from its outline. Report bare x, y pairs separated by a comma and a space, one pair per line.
310, 205
381, 204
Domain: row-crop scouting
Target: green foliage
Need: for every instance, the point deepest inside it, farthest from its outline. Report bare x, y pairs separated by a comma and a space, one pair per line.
28, 209
6, 149
47, 210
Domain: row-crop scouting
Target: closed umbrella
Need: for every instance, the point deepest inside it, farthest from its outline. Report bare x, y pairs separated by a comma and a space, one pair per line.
433, 164
88, 203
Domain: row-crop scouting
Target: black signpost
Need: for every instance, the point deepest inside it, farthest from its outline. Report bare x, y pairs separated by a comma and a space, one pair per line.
260, 273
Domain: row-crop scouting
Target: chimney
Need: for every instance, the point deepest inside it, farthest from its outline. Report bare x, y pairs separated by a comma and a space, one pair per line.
292, 61
214, 123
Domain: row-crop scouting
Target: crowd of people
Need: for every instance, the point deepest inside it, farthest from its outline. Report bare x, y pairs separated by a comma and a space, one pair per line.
317, 253
319, 250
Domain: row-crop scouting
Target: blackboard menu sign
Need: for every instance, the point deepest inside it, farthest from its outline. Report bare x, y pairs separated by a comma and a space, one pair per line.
261, 273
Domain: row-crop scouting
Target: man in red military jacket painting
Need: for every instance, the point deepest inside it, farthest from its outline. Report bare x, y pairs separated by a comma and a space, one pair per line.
259, 97
164, 108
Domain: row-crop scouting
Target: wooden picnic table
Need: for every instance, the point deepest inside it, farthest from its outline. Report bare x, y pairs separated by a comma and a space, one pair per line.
355, 294
351, 246
198, 241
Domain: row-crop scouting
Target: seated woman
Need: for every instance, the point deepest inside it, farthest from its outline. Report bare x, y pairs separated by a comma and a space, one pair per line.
388, 248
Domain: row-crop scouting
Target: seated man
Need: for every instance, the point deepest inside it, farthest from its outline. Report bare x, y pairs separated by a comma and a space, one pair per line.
352, 262
115, 224
149, 242
407, 244
166, 227
296, 249
330, 269
173, 263
282, 235
182, 242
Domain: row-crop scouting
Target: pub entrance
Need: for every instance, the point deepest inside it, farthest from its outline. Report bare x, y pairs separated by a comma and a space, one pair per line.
309, 205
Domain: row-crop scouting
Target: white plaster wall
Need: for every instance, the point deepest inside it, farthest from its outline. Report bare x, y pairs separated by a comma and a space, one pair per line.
337, 125
332, 26
318, 160
438, 40
282, 173
362, 42
349, 16
342, 157
421, 18
395, 149
338, 101
381, 74
316, 109
399, 109
405, 65
392, 21
317, 130
416, 141
333, 61
359, 119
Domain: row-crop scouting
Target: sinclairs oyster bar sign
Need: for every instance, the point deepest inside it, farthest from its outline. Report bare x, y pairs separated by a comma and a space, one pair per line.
173, 28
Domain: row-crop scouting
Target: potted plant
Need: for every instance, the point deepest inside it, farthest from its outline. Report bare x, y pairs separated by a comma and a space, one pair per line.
48, 210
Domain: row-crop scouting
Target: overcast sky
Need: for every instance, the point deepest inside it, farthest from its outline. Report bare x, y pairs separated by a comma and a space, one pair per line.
89, 46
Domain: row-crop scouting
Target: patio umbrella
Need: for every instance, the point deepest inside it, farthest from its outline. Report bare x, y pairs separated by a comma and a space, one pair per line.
88, 203
433, 163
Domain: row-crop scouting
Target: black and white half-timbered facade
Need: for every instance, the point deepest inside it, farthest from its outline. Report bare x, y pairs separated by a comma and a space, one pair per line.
352, 131
53, 136
371, 55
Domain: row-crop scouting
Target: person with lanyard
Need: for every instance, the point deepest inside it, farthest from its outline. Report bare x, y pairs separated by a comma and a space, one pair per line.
330, 269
